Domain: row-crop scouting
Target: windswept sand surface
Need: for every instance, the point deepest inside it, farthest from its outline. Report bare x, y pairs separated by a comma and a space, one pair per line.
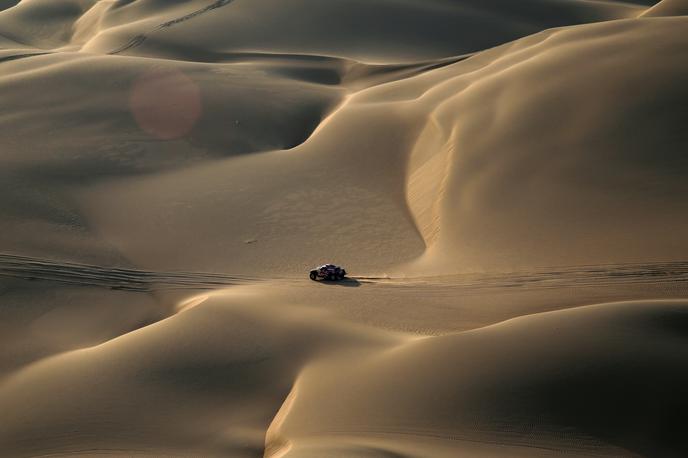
504, 181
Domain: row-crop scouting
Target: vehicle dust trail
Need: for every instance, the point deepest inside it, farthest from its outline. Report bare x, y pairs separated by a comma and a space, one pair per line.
675, 272
138, 40
28, 268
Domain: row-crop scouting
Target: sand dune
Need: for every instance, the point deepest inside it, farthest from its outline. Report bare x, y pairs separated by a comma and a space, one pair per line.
441, 119
487, 386
529, 387
254, 349
194, 28
490, 127
668, 8
504, 182
534, 386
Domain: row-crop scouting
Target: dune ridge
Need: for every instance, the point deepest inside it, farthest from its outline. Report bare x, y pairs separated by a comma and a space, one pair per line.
480, 183
376, 372
504, 183
668, 8
444, 400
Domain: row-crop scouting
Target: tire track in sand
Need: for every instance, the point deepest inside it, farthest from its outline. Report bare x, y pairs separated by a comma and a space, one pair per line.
138, 40
127, 279
28, 268
651, 273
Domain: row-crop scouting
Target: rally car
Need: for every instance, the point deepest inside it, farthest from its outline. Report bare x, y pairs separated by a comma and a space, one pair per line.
328, 272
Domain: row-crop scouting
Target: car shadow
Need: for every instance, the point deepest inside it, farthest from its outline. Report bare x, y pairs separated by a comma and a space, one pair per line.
347, 283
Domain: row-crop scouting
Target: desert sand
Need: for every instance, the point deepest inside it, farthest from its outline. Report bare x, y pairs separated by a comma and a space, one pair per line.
505, 183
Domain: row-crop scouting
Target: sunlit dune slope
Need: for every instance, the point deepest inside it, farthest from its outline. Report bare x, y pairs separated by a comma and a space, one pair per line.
173, 390
499, 162
567, 146
448, 153
586, 381
370, 164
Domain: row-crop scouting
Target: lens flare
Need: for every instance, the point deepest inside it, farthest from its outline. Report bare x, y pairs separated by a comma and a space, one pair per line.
165, 103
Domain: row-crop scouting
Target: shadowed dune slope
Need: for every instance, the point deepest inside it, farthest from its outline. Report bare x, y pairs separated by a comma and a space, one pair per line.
155, 115
379, 31
4, 4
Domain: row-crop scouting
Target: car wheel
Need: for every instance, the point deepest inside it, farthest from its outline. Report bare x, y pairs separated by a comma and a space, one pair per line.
314, 275
330, 277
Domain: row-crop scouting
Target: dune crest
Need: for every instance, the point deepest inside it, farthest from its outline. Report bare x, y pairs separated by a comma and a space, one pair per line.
503, 181
531, 386
198, 27
507, 175
668, 8
488, 379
